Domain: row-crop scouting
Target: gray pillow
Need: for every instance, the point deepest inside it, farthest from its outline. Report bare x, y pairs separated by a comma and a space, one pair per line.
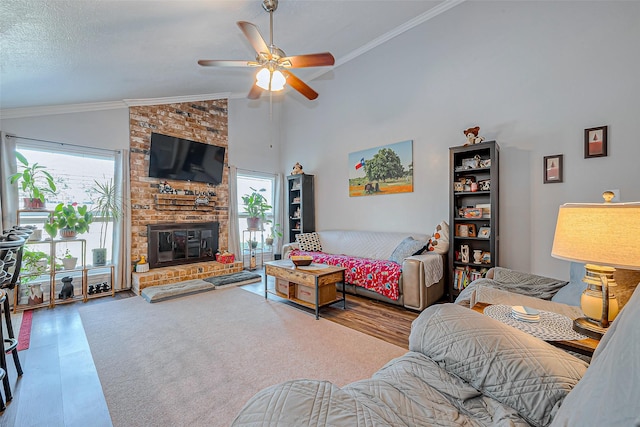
406, 248
508, 365
570, 294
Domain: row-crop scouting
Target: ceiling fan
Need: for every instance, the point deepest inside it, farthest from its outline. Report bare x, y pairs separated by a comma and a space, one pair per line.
274, 64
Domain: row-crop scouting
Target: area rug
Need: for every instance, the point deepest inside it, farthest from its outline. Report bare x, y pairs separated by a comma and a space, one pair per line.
196, 360
24, 336
234, 279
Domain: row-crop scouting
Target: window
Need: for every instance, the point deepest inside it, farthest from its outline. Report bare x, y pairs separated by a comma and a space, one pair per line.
247, 182
75, 171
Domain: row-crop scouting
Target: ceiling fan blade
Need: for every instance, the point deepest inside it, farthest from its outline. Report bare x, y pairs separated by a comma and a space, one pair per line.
255, 91
309, 60
226, 63
300, 86
255, 38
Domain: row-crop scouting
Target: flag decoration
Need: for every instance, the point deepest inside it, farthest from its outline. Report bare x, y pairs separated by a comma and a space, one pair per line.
361, 164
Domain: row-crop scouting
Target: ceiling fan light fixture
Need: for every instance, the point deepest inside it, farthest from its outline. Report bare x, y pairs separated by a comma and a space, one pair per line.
272, 81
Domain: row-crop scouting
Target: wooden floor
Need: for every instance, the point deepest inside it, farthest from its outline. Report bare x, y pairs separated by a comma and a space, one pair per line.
60, 385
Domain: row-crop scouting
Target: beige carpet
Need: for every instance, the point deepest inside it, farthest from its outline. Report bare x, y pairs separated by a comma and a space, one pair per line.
195, 361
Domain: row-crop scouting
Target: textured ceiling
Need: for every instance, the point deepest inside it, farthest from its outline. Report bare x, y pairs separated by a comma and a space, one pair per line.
57, 52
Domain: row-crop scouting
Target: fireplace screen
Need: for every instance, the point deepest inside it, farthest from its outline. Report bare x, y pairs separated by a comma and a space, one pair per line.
174, 244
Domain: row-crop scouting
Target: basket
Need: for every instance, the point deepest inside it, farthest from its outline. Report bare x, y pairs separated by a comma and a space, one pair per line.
225, 259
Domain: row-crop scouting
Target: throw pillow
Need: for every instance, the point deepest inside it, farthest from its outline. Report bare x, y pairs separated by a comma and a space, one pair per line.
309, 242
439, 242
407, 247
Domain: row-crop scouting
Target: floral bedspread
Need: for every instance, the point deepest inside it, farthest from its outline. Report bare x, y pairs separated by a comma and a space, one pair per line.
376, 275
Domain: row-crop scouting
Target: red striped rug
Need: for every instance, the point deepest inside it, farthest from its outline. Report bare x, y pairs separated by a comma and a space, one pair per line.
24, 337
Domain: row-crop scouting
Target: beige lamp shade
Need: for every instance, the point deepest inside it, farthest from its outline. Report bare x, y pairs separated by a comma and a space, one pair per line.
603, 234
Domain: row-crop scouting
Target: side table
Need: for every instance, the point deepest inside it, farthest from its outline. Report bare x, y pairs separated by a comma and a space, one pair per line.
585, 346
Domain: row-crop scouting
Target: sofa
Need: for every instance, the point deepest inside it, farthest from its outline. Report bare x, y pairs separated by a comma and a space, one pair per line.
379, 265
465, 368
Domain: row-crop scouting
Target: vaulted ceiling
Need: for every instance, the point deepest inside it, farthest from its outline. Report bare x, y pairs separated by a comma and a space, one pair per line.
62, 52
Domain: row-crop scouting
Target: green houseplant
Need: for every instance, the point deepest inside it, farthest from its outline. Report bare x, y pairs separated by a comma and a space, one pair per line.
34, 265
256, 208
68, 220
107, 207
35, 181
275, 231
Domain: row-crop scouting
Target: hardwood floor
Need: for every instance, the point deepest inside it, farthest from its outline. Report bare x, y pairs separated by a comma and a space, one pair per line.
60, 385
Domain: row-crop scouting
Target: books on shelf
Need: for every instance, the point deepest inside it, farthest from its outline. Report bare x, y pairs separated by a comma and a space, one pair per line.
463, 276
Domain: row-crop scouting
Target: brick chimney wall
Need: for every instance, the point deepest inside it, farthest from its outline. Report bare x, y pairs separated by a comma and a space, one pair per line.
203, 121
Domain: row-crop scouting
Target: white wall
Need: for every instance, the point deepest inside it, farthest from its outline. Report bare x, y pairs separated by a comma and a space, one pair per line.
98, 129
532, 75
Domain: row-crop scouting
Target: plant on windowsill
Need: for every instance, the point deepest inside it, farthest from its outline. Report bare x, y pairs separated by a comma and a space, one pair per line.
68, 261
275, 231
106, 206
256, 208
68, 220
35, 181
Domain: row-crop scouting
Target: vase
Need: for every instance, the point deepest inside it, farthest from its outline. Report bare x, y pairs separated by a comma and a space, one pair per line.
253, 223
99, 256
69, 263
36, 295
67, 233
32, 204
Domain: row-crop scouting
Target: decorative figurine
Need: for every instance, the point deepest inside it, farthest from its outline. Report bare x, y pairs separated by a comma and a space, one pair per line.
67, 288
297, 169
472, 136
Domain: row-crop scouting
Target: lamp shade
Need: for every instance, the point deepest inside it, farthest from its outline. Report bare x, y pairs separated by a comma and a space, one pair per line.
603, 234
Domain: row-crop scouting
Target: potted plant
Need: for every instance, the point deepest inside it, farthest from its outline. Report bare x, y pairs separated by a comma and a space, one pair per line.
256, 207
275, 231
107, 207
35, 181
68, 261
34, 265
69, 220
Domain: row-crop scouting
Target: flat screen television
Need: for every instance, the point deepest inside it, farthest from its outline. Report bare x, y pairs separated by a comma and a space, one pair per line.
184, 160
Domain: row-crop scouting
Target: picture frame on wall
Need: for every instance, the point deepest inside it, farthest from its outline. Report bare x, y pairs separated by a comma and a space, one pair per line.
595, 142
553, 168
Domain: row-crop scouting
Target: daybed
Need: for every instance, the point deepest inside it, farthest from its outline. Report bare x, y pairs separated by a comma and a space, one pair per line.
465, 368
380, 265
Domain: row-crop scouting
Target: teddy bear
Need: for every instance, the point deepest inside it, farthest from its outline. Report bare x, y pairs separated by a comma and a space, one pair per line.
297, 169
472, 136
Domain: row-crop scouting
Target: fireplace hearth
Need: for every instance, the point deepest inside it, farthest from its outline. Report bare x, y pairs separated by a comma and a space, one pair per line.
182, 243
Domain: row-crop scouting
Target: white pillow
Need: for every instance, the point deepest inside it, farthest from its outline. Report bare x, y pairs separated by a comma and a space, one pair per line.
309, 242
439, 242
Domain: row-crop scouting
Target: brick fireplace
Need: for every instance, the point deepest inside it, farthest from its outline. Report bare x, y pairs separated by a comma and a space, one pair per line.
202, 121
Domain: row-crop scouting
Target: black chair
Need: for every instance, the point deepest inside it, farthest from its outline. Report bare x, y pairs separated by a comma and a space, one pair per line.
11, 245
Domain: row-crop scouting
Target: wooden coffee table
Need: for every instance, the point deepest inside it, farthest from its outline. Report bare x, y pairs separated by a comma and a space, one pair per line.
586, 346
309, 279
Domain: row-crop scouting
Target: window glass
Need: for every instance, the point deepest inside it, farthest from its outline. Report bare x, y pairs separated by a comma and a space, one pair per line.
74, 173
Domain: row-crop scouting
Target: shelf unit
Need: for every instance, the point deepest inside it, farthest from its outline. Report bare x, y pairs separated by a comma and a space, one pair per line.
301, 204
52, 276
250, 258
473, 213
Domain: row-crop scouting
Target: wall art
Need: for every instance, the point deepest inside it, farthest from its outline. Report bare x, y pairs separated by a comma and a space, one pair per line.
387, 169
595, 142
553, 169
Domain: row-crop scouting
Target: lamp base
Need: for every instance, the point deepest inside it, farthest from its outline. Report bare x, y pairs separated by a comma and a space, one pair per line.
586, 327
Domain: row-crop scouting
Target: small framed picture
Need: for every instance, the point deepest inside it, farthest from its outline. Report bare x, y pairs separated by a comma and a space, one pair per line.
486, 257
553, 169
466, 230
484, 232
458, 186
595, 142
472, 213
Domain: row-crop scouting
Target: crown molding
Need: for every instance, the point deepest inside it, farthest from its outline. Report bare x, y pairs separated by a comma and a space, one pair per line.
16, 113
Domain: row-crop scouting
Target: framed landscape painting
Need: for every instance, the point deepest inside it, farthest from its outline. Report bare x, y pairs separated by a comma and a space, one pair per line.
595, 142
387, 169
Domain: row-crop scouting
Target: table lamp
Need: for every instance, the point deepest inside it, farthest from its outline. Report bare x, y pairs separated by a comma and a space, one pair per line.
604, 236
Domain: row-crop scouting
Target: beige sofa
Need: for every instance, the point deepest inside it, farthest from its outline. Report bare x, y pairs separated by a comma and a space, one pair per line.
422, 281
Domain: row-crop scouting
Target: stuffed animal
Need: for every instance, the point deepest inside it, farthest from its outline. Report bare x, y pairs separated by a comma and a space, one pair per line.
297, 169
67, 288
472, 136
